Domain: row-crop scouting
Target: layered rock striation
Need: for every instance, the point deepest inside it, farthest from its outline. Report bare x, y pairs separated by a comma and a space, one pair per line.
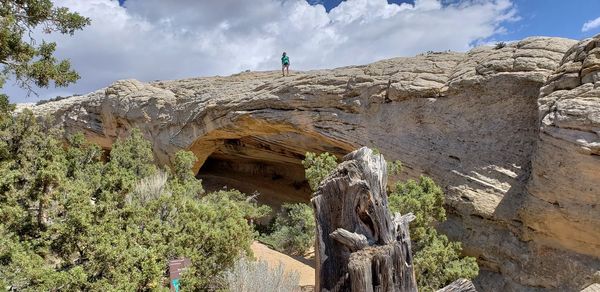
512, 134
563, 209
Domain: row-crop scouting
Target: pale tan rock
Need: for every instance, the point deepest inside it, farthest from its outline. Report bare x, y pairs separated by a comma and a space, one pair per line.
22, 106
470, 120
565, 179
592, 288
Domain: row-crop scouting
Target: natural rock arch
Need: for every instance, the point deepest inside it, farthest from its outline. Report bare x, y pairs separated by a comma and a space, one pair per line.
469, 120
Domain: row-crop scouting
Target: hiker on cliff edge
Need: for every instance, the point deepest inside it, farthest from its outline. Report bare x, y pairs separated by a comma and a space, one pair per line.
285, 64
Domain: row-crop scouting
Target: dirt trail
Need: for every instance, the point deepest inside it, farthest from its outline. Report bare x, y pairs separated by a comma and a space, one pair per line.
303, 265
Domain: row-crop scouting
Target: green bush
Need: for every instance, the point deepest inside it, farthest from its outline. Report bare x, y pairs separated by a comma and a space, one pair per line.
424, 198
499, 45
317, 167
438, 261
293, 231
250, 210
72, 221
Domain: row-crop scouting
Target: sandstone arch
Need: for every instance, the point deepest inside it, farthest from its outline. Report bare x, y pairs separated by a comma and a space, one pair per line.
470, 120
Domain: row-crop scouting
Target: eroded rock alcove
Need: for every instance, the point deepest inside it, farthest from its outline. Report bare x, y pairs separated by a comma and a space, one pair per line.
252, 164
253, 155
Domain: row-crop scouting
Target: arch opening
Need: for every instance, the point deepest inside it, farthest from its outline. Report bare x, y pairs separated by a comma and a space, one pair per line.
268, 164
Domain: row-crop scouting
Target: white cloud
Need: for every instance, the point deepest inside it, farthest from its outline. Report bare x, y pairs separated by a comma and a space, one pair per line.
592, 24
157, 39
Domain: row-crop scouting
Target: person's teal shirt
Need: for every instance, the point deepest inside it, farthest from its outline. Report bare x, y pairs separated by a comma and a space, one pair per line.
285, 60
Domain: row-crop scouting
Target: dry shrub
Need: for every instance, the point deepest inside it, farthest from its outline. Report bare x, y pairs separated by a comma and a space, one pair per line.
151, 187
251, 276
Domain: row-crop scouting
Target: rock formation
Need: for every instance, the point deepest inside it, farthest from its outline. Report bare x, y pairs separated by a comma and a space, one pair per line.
512, 134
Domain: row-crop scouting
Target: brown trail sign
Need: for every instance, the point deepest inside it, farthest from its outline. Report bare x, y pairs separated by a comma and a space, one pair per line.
360, 246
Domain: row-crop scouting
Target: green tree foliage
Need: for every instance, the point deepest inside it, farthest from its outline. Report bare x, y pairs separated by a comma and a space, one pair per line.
183, 177
437, 260
29, 61
293, 230
250, 210
393, 167
499, 45
71, 221
425, 199
317, 167
5, 106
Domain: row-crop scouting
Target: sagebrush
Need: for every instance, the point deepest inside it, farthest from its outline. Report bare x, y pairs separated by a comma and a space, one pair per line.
252, 276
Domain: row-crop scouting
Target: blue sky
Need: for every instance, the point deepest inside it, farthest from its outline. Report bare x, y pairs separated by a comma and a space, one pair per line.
561, 18
158, 39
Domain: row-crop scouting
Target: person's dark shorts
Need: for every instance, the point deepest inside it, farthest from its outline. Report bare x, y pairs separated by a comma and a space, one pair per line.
286, 64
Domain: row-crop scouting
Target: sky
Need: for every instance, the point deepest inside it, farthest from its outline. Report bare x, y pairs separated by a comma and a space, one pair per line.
156, 39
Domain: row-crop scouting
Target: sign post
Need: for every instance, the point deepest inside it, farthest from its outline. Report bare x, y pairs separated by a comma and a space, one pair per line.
175, 269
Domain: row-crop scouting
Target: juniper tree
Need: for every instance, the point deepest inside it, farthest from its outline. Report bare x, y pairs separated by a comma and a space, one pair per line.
108, 224
27, 60
293, 230
438, 261
317, 167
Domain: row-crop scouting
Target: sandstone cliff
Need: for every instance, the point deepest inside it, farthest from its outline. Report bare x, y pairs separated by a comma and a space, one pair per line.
520, 165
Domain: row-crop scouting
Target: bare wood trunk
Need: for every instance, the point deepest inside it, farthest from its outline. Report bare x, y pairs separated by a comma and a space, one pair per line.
460, 285
42, 217
360, 246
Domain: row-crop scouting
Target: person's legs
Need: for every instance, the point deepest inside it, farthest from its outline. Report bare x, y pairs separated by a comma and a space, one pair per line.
287, 69
282, 70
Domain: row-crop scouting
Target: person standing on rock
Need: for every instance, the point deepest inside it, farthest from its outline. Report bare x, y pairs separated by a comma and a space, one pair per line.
285, 64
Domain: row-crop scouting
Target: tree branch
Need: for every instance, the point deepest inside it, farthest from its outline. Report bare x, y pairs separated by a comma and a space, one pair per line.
351, 240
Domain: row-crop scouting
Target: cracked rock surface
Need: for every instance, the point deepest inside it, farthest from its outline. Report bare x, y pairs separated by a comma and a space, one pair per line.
512, 134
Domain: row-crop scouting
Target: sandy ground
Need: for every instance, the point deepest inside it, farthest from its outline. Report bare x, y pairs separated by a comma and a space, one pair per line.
303, 265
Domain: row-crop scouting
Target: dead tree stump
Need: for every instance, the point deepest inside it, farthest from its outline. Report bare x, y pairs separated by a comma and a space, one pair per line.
460, 285
360, 246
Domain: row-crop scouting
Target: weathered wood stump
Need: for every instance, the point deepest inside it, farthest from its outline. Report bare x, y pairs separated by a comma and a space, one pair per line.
360, 246
460, 285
